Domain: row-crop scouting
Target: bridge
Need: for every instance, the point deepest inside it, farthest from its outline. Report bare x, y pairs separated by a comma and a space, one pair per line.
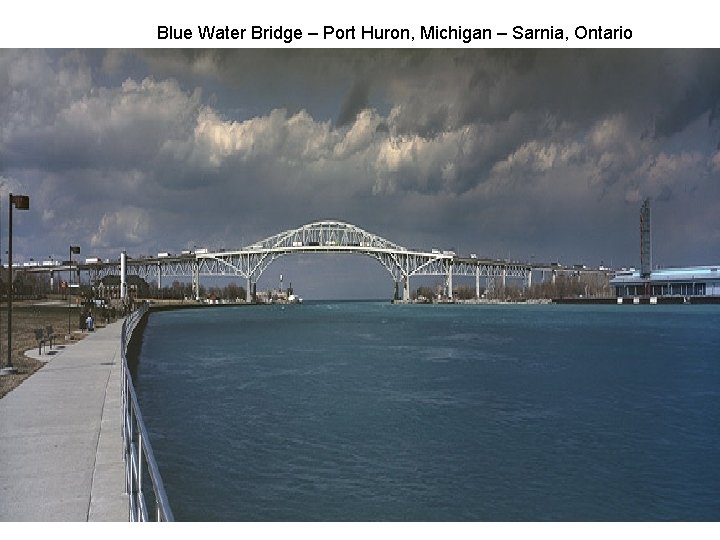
320, 237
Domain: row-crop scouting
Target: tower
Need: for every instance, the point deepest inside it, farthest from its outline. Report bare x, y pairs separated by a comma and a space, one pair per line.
645, 241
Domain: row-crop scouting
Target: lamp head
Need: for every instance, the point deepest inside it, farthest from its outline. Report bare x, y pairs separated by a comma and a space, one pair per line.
21, 202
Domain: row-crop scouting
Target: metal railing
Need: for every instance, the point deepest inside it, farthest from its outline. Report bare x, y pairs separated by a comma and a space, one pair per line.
138, 454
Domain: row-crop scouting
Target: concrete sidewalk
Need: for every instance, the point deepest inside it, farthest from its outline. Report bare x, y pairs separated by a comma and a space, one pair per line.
61, 439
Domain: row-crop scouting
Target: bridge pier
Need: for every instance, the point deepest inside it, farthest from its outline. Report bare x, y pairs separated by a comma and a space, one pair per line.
402, 284
196, 281
477, 283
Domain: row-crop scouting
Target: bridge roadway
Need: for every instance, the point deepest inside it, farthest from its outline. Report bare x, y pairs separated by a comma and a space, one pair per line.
333, 237
61, 456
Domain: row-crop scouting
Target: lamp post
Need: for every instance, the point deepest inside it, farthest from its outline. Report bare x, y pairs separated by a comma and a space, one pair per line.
76, 250
52, 276
21, 202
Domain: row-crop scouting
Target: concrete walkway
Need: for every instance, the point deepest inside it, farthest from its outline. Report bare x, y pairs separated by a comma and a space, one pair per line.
61, 439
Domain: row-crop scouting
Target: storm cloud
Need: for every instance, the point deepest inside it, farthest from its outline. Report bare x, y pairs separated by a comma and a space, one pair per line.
543, 153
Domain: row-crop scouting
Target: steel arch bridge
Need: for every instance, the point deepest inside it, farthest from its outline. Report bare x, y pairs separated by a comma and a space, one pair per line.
328, 237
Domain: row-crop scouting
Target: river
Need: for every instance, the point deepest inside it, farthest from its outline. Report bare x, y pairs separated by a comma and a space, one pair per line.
367, 411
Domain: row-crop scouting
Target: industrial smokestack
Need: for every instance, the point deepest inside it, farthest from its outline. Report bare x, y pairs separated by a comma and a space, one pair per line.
645, 241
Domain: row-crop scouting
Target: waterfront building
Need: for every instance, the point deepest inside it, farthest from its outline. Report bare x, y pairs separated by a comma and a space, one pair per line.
686, 282
109, 287
699, 281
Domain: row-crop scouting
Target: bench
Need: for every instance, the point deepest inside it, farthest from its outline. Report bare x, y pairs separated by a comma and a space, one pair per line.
50, 335
40, 338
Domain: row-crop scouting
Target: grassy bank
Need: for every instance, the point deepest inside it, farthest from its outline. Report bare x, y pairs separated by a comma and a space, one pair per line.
27, 317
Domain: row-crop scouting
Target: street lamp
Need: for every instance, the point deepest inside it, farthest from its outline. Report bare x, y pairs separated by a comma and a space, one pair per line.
76, 250
21, 202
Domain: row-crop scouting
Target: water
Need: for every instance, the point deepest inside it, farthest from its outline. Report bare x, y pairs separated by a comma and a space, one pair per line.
368, 411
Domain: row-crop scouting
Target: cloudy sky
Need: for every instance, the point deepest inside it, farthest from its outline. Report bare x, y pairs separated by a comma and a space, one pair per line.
529, 154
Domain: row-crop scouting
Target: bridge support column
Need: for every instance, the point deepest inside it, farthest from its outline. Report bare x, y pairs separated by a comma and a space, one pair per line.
406, 289
196, 281
477, 283
529, 278
503, 276
249, 291
123, 275
450, 280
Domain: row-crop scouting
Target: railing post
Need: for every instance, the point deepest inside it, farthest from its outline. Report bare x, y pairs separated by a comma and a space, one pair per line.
140, 468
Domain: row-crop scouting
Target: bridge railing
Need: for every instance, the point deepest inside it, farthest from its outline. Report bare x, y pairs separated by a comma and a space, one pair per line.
138, 454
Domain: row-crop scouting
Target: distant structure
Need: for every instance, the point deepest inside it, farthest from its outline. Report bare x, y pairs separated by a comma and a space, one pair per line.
645, 241
688, 284
112, 286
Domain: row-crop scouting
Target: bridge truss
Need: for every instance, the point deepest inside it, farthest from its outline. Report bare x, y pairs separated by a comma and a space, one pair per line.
320, 237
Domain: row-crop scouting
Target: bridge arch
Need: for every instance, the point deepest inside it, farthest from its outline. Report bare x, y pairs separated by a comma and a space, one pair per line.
327, 236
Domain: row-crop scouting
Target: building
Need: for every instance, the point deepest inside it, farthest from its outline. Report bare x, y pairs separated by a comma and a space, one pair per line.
109, 287
688, 282
701, 281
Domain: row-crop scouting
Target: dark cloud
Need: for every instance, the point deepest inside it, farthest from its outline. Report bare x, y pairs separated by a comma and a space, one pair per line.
698, 96
356, 101
543, 152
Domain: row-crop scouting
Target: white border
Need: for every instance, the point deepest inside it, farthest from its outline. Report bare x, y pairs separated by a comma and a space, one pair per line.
133, 23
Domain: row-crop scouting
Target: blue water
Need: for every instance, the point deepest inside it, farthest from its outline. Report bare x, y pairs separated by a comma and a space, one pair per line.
369, 411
